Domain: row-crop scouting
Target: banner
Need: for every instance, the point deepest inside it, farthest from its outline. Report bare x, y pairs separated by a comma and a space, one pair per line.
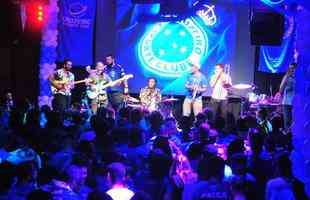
76, 26
163, 49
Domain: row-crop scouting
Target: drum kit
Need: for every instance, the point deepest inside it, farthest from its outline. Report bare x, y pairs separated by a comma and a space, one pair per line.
251, 98
165, 106
248, 97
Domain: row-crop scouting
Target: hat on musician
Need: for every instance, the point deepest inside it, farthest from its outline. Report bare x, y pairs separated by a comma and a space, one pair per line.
194, 63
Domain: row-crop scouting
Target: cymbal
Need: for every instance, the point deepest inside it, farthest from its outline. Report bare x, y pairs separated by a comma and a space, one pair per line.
242, 86
168, 100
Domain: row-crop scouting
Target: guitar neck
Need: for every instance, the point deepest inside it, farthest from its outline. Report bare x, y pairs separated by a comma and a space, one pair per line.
77, 82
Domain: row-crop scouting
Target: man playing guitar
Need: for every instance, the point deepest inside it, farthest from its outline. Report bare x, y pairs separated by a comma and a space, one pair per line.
196, 85
116, 72
62, 82
97, 95
219, 82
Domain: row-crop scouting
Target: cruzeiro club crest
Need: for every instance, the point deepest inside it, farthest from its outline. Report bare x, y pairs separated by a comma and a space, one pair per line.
167, 47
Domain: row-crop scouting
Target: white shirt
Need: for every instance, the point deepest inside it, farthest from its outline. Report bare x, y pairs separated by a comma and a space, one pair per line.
120, 193
219, 92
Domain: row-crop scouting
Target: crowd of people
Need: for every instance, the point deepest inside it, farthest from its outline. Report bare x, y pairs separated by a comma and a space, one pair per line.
135, 154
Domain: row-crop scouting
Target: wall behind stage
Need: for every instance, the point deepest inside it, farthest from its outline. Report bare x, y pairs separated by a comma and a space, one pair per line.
220, 34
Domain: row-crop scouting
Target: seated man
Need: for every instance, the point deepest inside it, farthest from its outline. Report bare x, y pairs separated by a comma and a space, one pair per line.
117, 178
150, 96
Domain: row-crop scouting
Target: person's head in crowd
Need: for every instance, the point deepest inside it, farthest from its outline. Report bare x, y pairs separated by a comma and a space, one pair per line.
136, 137
117, 177
169, 128
256, 141
185, 123
220, 123
7, 171
159, 163
161, 142
87, 149
200, 119
141, 196
98, 195
251, 121
8, 96
156, 120
33, 118
194, 151
270, 145
277, 124
136, 116
236, 146
27, 173
204, 133
209, 115
77, 172
39, 195
213, 136
54, 120
242, 127
47, 174
238, 188
284, 165
45, 109
238, 164
106, 112
262, 114
230, 123
124, 114
120, 135
211, 168
16, 119
77, 118
100, 125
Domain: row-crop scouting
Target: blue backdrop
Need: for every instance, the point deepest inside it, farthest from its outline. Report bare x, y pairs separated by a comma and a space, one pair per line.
163, 49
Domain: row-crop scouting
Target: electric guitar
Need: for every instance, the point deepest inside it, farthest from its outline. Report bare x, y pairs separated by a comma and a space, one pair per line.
195, 91
97, 89
65, 85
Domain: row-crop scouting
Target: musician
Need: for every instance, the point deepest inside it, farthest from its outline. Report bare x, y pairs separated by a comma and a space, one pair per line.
196, 84
219, 83
62, 81
97, 95
150, 96
115, 71
287, 92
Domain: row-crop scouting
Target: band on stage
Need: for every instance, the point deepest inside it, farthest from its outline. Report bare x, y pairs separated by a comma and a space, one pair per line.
107, 86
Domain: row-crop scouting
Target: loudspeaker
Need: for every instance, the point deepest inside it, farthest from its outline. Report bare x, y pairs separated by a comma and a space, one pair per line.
267, 28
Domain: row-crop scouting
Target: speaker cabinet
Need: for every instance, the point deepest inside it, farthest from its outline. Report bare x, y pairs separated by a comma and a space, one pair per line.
267, 28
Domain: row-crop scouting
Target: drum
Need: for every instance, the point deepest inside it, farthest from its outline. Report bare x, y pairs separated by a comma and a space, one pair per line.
253, 98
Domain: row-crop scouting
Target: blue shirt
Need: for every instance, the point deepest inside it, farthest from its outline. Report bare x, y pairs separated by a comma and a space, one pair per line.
289, 90
200, 80
115, 72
